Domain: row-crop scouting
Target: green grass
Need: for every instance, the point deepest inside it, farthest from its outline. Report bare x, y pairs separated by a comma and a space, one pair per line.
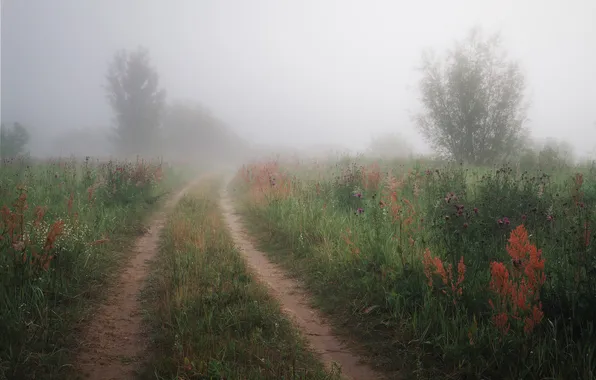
366, 270
209, 317
43, 302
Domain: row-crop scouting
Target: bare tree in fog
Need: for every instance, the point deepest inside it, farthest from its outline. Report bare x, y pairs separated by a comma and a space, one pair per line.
138, 103
13, 140
474, 101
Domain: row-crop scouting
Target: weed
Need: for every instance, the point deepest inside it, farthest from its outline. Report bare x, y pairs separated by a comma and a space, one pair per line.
507, 253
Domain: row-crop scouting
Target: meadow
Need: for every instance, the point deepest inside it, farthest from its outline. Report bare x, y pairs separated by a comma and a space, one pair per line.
64, 225
439, 271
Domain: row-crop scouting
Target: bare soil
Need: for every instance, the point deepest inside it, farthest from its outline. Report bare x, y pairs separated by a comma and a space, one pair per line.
114, 345
295, 302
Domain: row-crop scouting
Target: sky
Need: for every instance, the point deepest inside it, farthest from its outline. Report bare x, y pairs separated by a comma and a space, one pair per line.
291, 72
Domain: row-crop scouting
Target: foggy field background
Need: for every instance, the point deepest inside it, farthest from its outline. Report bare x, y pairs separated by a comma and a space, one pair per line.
427, 169
285, 75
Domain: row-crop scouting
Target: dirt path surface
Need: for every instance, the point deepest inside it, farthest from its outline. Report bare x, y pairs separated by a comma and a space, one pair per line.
114, 344
295, 302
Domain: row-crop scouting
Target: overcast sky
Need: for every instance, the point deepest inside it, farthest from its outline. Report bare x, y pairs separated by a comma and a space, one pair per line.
291, 72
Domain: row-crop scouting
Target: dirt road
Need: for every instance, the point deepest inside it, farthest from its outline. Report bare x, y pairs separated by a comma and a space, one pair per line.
295, 302
114, 345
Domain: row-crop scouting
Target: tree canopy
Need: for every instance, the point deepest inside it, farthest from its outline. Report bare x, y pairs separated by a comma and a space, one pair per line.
473, 100
138, 103
13, 140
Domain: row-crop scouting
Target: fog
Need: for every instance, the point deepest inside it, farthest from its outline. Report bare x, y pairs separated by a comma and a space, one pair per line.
289, 73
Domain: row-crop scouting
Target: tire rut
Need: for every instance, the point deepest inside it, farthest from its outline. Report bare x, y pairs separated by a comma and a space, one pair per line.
114, 344
294, 301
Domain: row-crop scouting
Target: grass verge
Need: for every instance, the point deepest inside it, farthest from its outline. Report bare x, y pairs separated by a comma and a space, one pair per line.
440, 275
210, 319
64, 228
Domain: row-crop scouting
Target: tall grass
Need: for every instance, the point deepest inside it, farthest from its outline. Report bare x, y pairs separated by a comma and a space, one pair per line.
211, 320
448, 272
63, 224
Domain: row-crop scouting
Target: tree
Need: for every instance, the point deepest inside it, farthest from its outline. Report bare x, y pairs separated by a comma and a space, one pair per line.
389, 145
192, 132
13, 140
474, 101
555, 154
138, 102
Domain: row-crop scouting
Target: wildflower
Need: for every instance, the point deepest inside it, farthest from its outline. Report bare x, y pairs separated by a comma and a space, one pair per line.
476, 210
434, 265
506, 221
500, 222
39, 213
517, 290
428, 263
19, 246
540, 190
501, 321
55, 230
461, 272
359, 211
524, 217
549, 218
465, 225
499, 282
534, 319
450, 196
460, 209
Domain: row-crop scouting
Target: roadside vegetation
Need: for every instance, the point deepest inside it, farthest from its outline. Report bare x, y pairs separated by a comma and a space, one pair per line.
209, 317
63, 226
442, 271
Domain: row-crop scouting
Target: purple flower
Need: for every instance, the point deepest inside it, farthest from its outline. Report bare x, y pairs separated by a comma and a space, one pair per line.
506, 221
358, 195
360, 211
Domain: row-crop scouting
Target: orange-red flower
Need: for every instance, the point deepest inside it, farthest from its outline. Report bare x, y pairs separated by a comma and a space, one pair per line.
434, 266
518, 289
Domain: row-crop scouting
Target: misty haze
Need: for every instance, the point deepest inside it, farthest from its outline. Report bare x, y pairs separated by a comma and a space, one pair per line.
297, 189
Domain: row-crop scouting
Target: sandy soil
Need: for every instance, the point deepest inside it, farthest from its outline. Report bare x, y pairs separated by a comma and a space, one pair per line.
295, 302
